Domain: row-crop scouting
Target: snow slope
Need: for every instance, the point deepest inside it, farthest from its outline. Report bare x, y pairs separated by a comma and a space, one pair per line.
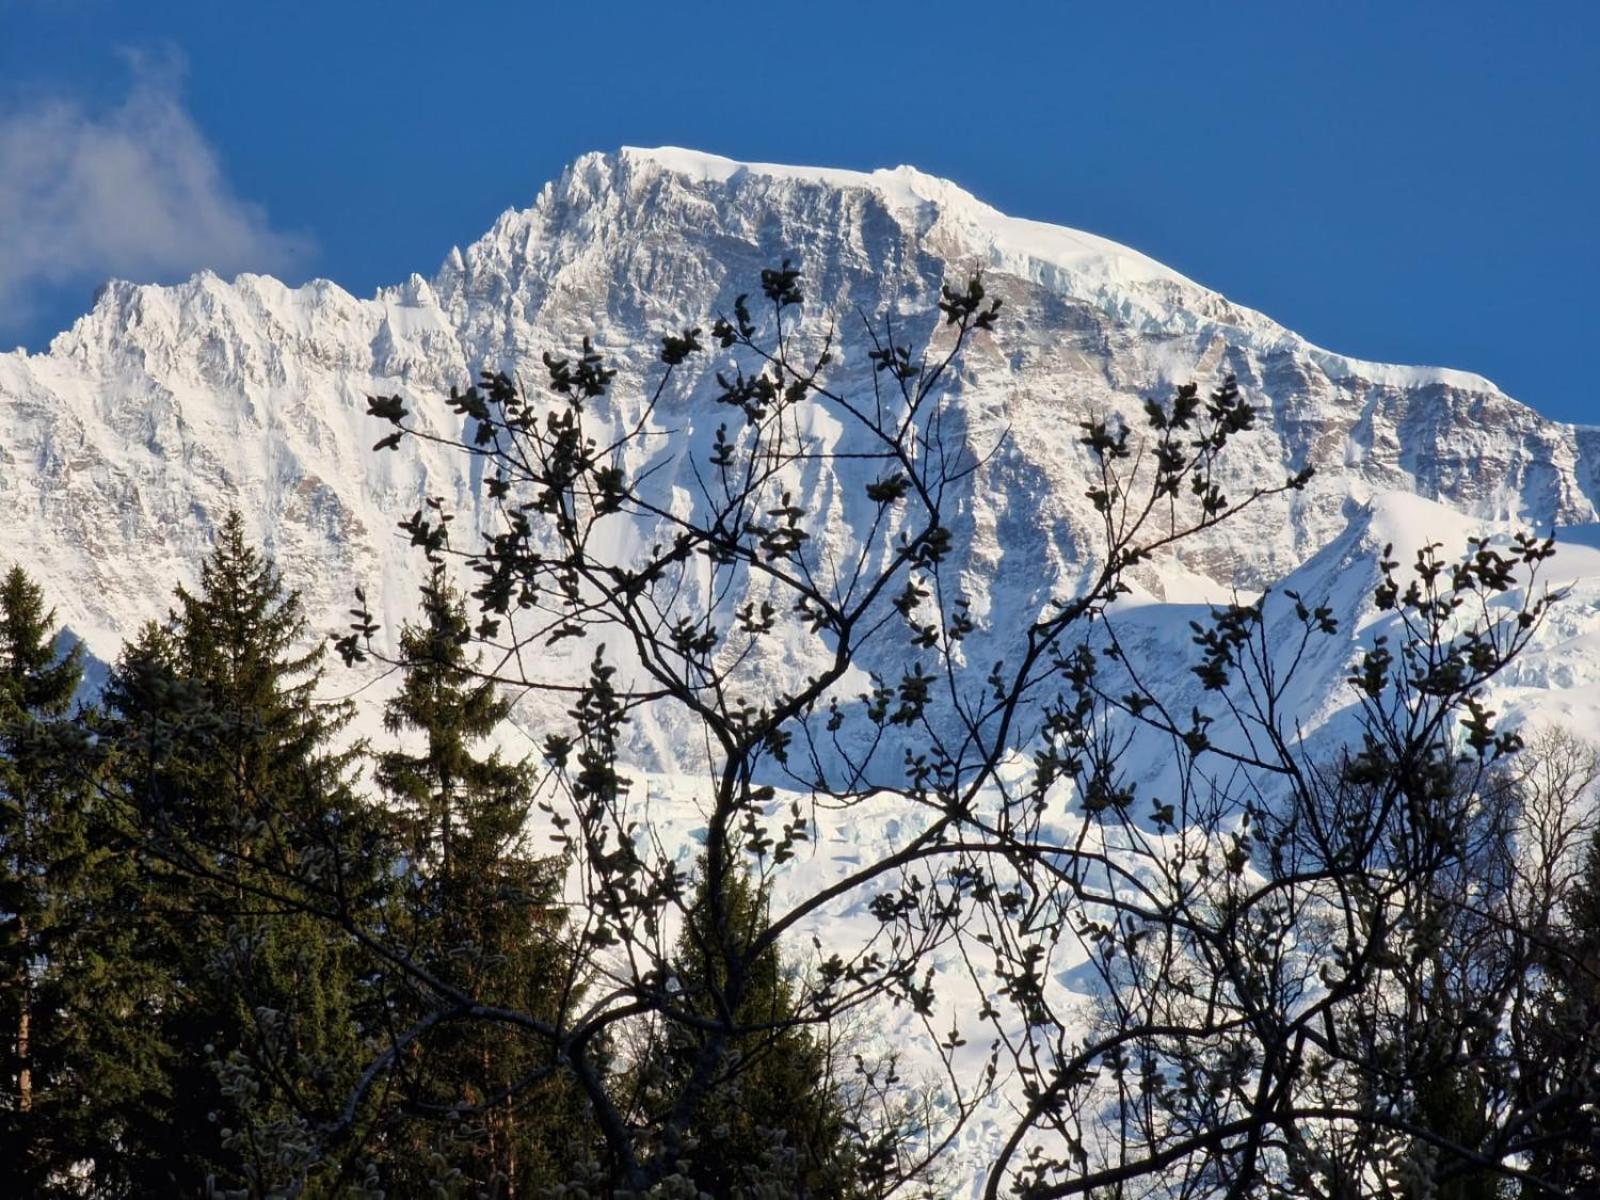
122, 445
163, 405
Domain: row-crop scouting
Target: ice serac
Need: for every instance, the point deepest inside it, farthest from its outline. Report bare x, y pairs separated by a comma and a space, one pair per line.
122, 444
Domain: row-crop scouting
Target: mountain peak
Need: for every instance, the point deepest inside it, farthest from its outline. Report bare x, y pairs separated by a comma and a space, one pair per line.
902, 186
1070, 261
907, 189
165, 405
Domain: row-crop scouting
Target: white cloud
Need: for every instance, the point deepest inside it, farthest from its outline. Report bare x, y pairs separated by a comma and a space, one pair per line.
136, 192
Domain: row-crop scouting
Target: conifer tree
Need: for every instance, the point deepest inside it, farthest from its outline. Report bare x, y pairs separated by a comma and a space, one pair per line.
771, 1119
1565, 1034
252, 840
86, 1069
42, 845
481, 913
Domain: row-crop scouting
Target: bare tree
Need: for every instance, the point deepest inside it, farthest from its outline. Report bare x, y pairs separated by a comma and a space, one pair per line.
1275, 956
688, 626
1313, 956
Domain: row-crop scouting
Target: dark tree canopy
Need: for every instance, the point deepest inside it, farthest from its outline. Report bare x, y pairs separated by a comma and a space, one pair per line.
237, 793
483, 915
43, 844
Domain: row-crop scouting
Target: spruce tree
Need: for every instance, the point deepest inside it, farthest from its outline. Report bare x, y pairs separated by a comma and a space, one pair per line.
771, 1115
481, 913
87, 1069
256, 851
1564, 1036
42, 848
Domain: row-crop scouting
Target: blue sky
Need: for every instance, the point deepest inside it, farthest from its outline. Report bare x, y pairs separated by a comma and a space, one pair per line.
1409, 182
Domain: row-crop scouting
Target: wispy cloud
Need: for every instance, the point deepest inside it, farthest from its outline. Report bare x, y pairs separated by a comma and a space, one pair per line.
135, 191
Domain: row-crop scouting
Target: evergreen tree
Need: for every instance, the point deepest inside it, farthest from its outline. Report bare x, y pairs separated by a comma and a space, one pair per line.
481, 913
86, 1070
771, 1120
251, 841
42, 845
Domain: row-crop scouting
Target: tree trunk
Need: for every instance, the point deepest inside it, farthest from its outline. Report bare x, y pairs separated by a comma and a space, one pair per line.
24, 1025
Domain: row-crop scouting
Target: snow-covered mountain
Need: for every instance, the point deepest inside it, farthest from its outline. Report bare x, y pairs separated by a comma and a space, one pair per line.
122, 445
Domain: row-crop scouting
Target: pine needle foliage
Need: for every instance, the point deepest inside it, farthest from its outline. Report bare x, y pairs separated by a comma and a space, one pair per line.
239, 796
481, 915
773, 1120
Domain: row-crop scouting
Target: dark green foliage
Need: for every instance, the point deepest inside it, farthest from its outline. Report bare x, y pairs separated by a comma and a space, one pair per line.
481, 915
76, 958
254, 851
1451, 1104
767, 1107
1565, 1035
42, 845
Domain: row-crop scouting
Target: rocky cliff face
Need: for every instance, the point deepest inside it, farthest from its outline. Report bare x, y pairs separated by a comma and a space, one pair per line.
122, 445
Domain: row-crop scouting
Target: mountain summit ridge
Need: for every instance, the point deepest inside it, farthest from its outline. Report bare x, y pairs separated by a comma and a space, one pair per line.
903, 187
908, 188
122, 443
